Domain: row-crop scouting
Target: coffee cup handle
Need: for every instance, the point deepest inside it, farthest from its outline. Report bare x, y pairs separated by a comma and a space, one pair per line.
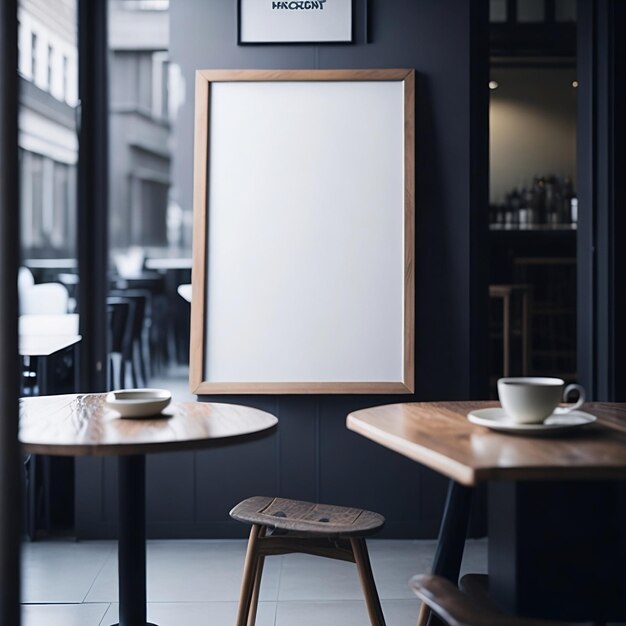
581, 399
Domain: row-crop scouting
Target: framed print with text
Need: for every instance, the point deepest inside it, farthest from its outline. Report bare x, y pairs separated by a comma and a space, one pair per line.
295, 21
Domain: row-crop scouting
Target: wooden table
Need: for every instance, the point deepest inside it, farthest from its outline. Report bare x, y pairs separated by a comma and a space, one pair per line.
557, 505
41, 348
168, 263
49, 353
81, 425
49, 324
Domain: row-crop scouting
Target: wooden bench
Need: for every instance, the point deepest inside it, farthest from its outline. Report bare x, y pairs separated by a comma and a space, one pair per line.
281, 526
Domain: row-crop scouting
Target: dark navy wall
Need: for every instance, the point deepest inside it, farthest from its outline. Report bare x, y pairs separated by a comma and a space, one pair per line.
312, 455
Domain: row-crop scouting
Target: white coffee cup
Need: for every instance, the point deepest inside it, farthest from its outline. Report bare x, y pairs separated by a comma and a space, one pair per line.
529, 400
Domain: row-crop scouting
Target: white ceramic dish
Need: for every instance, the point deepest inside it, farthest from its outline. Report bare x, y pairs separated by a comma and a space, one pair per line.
138, 402
497, 419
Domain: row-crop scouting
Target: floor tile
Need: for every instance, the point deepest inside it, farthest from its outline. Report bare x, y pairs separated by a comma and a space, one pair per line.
197, 582
61, 571
401, 612
63, 614
190, 571
344, 613
305, 577
196, 614
395, 562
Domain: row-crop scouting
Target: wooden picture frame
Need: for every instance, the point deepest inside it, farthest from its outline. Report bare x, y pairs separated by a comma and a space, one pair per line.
295, 22
303, 280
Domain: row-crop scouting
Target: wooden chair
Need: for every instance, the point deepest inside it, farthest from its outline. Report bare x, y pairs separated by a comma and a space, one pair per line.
281, 526
470, 607
510, 294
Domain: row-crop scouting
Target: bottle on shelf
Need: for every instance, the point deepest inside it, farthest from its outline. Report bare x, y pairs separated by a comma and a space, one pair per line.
548, 201
570, 202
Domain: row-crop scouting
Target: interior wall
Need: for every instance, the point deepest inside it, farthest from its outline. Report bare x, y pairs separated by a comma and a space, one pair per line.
312, 455
532, 127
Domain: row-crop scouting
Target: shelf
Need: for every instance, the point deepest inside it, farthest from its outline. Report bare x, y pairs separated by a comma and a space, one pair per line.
533, 227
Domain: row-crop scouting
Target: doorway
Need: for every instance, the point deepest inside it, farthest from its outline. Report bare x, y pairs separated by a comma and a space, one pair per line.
533, 214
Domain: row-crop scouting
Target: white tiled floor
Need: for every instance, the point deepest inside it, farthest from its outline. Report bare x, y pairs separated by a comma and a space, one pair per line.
196, 583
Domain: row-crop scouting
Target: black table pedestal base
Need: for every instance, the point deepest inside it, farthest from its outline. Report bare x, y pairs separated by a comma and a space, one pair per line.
452, 534
557, 549
132, 540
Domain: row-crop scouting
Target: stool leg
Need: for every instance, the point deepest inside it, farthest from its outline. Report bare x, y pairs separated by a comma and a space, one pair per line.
506, 335
362, 560
249, 575
254, 603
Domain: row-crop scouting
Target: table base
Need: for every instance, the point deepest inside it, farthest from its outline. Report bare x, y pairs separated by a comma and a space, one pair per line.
132, 540
557, 549
452, 534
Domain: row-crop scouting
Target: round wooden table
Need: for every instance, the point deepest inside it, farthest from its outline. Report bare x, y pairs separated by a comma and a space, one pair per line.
82, 425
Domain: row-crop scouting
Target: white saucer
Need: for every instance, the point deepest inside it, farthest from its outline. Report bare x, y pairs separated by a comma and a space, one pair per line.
138, 402
497, 419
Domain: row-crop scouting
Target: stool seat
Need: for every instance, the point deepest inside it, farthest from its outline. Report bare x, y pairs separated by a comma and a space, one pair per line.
307, 517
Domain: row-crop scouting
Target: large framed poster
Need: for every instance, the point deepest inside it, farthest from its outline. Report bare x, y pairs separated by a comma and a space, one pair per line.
295, 21
303, 277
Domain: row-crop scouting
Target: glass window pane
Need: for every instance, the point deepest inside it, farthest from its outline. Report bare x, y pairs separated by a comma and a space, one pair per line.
150, 246
48, 64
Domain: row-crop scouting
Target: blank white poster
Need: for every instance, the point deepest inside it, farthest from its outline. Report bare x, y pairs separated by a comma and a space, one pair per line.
305, 234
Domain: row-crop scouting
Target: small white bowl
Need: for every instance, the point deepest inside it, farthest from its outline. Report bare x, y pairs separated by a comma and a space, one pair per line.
138, 402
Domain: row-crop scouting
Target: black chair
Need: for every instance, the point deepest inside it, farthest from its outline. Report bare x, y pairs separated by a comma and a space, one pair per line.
120, 339
158, 317
140, 325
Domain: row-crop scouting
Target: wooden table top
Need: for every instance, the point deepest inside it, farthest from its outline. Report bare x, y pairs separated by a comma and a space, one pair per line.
82, 425
438, 435
169, 263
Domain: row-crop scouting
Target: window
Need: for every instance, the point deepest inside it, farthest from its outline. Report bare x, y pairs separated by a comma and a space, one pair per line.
62, 234
50, 68
33, 56
64, 77
33, 227
160, 87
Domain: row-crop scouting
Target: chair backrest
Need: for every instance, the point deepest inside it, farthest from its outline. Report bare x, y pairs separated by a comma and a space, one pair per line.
140, 298
25, 279
44, 299
120, 320
184, 291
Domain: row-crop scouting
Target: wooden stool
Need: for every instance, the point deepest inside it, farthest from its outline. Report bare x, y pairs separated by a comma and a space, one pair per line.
506, 294
281, 526
470, 607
